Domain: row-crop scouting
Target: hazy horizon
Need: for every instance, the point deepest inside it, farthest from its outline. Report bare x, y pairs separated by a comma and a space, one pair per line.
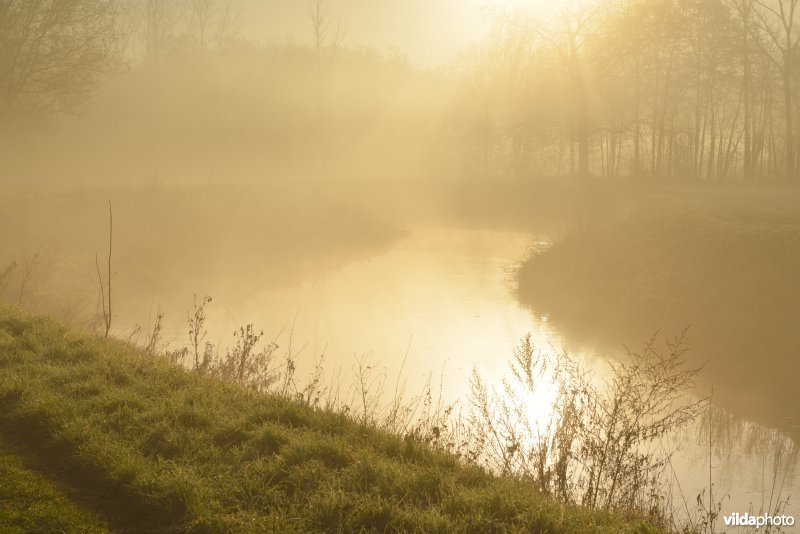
431, 33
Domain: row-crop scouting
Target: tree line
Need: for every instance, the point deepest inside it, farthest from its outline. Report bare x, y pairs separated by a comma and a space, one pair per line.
685, 89
690, 89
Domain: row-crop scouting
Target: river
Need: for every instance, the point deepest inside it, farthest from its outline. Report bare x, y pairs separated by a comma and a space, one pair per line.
440, 303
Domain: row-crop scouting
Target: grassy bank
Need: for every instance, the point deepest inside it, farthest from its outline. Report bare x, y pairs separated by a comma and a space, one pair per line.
725, 261
32, 502
149, 447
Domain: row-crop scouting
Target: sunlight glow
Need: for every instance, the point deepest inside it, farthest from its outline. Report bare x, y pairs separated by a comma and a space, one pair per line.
538, 412
518, 5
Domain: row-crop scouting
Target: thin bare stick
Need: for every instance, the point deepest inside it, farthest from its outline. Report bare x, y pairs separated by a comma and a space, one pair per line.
105, 296
110, 239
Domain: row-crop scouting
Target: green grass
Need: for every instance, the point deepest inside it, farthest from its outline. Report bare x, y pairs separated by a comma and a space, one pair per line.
153, 448
31, 502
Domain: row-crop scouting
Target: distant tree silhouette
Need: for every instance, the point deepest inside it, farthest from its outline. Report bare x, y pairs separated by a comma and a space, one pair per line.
686, 89
325, 42
325, 45
209, 21
160, 18
52, 53
778, 21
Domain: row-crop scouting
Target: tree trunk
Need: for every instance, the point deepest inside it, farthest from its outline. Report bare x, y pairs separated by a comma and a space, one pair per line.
583, 146
748, 150
787, 93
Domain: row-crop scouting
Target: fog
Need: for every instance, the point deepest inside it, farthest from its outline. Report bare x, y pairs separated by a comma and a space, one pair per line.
420, 184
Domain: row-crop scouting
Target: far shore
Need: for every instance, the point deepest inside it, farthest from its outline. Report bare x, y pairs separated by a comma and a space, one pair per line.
722, 264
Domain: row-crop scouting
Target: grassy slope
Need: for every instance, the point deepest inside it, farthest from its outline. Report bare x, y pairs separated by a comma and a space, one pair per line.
159, 449
30, 502
725, 262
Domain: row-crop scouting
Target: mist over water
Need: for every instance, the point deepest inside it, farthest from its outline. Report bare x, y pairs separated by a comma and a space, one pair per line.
424, 214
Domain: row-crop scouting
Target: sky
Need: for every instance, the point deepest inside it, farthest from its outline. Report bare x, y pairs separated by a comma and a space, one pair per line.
429, 32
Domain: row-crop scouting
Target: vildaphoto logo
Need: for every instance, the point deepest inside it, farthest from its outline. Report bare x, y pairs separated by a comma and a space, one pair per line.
758, 521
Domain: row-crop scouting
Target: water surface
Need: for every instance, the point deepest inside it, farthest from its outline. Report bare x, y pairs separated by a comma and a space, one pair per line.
440, 303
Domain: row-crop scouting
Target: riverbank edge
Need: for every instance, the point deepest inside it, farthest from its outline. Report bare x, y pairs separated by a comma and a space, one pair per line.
152, 447
722, 269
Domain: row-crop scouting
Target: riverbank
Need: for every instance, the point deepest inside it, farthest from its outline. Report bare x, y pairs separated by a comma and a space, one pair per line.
722, 261
152, 447
172, 241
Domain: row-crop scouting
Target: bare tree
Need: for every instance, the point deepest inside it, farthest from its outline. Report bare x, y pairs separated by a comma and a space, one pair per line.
228, 25
776, 19
199, 17
130, 17
325, 46
159, 21
208, 20
52, 53
325, 42
744, 13
575, 32
569, 31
